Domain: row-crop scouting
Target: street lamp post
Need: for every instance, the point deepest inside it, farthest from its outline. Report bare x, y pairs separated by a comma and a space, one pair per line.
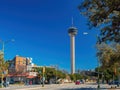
85, 33
5, 42
3, 48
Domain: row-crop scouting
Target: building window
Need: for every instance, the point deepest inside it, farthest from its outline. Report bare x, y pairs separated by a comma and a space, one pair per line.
19, 62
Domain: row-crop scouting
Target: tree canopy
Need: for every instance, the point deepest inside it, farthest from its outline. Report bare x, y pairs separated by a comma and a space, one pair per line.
108, 54
51, 73
104, 14
109, 57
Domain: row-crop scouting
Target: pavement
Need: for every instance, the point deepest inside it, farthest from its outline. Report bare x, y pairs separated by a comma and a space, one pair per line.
70, 86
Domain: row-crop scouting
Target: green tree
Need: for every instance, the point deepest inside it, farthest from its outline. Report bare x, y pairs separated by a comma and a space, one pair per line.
50, 73
72, 77
109, 54
76, 76
60, 74
39, 70
104, 53
3, 67
104, 14
109, 57
105, 74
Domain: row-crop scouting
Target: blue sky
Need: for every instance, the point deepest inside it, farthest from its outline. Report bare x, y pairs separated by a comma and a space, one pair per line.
40, 30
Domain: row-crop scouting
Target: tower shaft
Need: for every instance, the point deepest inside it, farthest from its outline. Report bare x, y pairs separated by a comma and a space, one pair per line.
72, 40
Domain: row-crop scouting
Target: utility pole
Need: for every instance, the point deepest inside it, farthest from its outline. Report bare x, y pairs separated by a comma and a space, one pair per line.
98, 75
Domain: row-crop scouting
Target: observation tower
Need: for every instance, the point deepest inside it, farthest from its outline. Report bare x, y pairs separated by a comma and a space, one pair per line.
72, 31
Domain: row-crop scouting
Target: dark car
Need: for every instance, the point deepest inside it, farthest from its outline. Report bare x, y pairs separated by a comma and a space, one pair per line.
6, 84
117, 83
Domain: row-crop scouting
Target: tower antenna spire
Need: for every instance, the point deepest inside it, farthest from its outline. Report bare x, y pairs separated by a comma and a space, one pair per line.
72, 22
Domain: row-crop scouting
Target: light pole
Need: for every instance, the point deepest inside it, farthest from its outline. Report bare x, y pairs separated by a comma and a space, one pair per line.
5, 42
3, 48
85, 33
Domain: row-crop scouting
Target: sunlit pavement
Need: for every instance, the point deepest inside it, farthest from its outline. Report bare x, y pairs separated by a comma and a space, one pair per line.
70, 86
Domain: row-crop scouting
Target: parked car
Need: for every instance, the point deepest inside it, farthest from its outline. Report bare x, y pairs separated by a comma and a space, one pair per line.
114, 83
82, 81
6, 84
12, 82
77, 82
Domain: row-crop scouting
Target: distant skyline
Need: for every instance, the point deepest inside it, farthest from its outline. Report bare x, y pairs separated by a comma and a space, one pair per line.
40, 30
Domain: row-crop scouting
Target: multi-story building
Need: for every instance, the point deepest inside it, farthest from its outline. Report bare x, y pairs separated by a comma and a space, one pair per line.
18, 65
20, 69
